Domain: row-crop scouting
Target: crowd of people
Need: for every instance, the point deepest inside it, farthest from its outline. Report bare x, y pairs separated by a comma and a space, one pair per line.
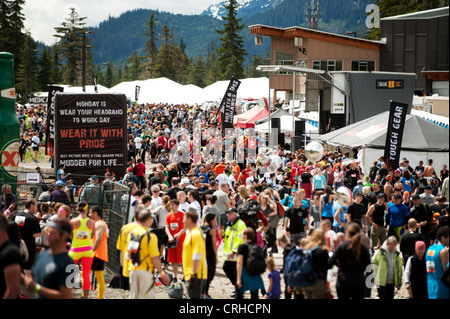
392, 229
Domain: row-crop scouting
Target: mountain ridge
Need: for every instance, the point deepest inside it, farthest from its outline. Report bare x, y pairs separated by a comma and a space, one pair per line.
118, 37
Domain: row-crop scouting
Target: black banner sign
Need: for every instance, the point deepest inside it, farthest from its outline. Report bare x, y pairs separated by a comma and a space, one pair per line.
136, 92
50, 130
91, 134
95, 84
394, 134
228, 104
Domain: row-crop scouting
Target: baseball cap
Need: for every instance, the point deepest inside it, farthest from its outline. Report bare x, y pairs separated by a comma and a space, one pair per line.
358, 194
94, 178
416, 196
428, 187
381, 195
130, 169
231, 210
59, 183
185, 181
397, 196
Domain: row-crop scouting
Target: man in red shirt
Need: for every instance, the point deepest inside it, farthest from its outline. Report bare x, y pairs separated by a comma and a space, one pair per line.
161, 142
176, 234
245, 174
139, 171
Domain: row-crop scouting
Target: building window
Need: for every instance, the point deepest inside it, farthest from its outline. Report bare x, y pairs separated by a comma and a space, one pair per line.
327, 65
284, 59
363, 65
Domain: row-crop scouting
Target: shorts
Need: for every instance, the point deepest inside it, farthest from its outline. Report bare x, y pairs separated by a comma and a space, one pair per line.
175, 255
98, 264
161, 235
35, 148
80, 252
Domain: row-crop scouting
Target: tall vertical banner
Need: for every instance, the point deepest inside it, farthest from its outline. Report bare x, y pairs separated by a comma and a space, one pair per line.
136, 92
228, 104
50, 130
90, 134
95, 84
394, 136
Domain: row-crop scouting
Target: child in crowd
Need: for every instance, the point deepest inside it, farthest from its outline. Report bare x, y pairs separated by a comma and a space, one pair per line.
274, 289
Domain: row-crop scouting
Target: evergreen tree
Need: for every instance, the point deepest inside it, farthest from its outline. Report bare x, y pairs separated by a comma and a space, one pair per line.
12, 36
26, 82
211, 64
56, 66
135, 66
108, 77
165, 65
45, 68
231, 52
151, 49
256, 60
126, 73
196, 74
72, 38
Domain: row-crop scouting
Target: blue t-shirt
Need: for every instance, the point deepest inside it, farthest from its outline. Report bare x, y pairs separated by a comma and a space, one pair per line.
319, 181
59, 175
276, 287
407, 184
327, 208
397, 214
54, 271
342, 214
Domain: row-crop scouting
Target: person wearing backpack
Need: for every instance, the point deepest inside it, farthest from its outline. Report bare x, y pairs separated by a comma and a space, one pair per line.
143, 257
250, 265
319, 254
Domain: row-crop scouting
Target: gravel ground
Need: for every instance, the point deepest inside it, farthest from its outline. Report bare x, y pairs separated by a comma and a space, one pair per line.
221, 287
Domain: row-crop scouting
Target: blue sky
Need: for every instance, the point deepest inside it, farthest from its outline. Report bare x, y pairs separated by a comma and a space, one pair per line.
43, 15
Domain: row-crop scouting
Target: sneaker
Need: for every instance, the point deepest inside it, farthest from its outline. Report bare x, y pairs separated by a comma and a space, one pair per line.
36, 161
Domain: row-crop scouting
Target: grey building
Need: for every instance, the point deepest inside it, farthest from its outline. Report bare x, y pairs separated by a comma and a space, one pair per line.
418, 43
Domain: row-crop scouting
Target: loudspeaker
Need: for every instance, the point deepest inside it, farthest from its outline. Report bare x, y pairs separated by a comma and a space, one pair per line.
296, 143
275, 123
299, 128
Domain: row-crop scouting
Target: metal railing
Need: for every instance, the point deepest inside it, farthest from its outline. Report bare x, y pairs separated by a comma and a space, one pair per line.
114, 201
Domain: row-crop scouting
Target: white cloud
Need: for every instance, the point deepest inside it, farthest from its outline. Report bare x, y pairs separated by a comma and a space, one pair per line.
43, 15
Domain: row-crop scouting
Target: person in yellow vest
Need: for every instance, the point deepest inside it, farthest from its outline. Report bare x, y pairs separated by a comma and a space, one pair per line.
100, 248
195, 268
143, 258
233, 239
83, 228
121, 246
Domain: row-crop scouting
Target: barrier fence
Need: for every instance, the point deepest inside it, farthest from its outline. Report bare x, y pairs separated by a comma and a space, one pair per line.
110, 195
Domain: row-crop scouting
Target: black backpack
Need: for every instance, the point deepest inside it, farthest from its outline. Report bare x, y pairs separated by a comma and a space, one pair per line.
373, 172
248, 211
256, 262
134, 246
